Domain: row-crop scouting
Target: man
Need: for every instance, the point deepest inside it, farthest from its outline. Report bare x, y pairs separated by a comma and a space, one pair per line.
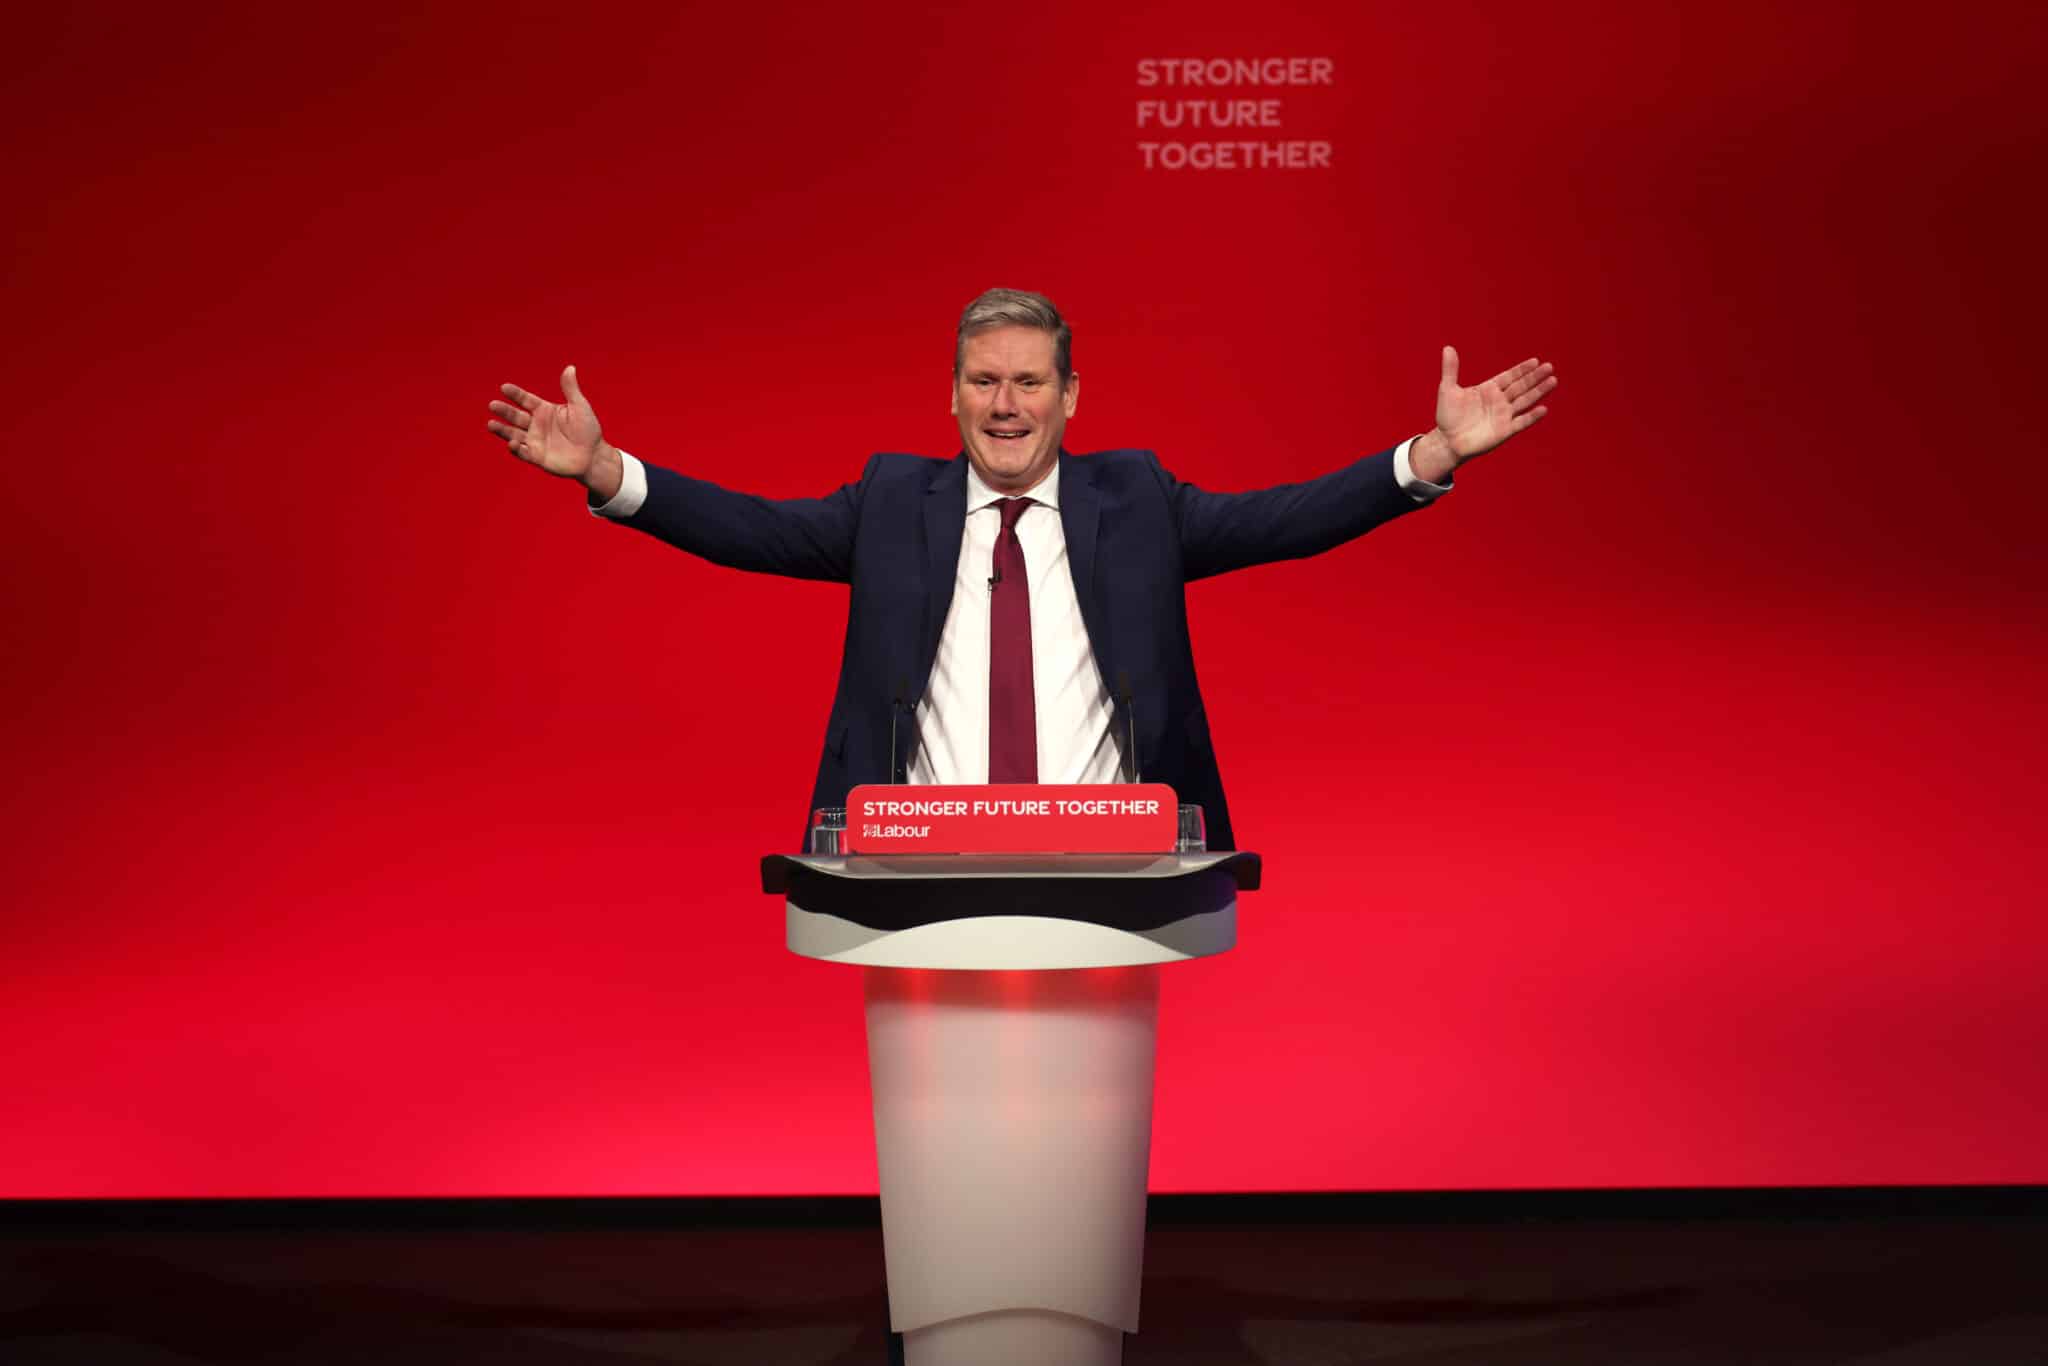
1017, 613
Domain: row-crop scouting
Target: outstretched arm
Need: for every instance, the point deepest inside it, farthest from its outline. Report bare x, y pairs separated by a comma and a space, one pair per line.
562, 438
1471, 422
805, 538
1225, 531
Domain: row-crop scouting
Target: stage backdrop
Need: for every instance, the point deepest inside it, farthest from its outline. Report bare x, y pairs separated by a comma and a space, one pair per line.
1663, 808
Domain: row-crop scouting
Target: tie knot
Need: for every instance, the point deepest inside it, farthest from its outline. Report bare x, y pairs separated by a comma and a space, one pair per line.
1013, 508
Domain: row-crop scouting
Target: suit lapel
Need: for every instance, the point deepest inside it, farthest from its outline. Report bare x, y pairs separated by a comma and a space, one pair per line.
945, 521
1080, 513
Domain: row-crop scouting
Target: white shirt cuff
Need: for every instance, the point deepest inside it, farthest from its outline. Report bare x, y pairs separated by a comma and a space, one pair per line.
633, 490
1421, 490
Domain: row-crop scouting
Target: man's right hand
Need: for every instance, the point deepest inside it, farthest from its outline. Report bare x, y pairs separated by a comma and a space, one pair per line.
562, 438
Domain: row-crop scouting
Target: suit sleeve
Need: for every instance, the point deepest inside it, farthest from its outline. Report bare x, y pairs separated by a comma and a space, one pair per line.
800, 538
1220, 532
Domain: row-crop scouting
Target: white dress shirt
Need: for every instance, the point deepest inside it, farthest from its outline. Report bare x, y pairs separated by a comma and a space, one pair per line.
1070, 696
1076, 739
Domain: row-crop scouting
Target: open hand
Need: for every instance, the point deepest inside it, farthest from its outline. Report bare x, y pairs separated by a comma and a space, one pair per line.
562, 438
1473, 421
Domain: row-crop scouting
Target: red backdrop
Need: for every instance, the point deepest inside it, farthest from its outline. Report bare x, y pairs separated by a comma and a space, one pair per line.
1664, 809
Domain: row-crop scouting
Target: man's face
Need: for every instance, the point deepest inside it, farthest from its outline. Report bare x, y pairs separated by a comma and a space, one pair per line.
1012, 407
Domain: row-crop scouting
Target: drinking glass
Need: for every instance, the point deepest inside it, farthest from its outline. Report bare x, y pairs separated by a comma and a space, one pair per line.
828, 831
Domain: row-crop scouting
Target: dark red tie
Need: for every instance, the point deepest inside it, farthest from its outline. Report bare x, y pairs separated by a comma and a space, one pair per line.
1012, 713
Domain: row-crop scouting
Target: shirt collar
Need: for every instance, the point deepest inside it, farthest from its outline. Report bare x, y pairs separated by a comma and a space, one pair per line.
980, 495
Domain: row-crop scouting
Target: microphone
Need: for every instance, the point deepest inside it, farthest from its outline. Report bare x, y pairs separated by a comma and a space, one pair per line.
895, 715
1123, 685
995, 578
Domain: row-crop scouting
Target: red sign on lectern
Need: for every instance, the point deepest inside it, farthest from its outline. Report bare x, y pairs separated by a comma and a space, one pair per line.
1013, 818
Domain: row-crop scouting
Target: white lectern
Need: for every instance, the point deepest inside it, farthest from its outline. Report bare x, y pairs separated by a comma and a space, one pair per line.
1012, 1009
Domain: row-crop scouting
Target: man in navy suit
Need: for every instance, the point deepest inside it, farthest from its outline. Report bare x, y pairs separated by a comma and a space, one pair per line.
1017, 612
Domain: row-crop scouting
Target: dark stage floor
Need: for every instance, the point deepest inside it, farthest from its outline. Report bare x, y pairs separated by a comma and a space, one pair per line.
1226, 1284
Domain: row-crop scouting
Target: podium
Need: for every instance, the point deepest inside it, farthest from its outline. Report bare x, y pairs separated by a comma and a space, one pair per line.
1012, 1005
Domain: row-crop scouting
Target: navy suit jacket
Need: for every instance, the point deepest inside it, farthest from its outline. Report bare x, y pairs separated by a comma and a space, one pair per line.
1135, 536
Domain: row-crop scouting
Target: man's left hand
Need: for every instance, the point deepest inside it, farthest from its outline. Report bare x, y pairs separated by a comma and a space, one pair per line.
1471, 422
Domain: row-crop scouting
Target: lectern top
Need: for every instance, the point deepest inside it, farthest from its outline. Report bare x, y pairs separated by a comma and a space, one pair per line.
1010, 911
778, 870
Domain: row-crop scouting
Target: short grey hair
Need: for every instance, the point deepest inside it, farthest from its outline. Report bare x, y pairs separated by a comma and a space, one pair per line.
1016, 308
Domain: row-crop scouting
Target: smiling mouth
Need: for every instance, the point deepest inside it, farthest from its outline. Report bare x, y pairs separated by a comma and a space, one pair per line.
1003, 434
